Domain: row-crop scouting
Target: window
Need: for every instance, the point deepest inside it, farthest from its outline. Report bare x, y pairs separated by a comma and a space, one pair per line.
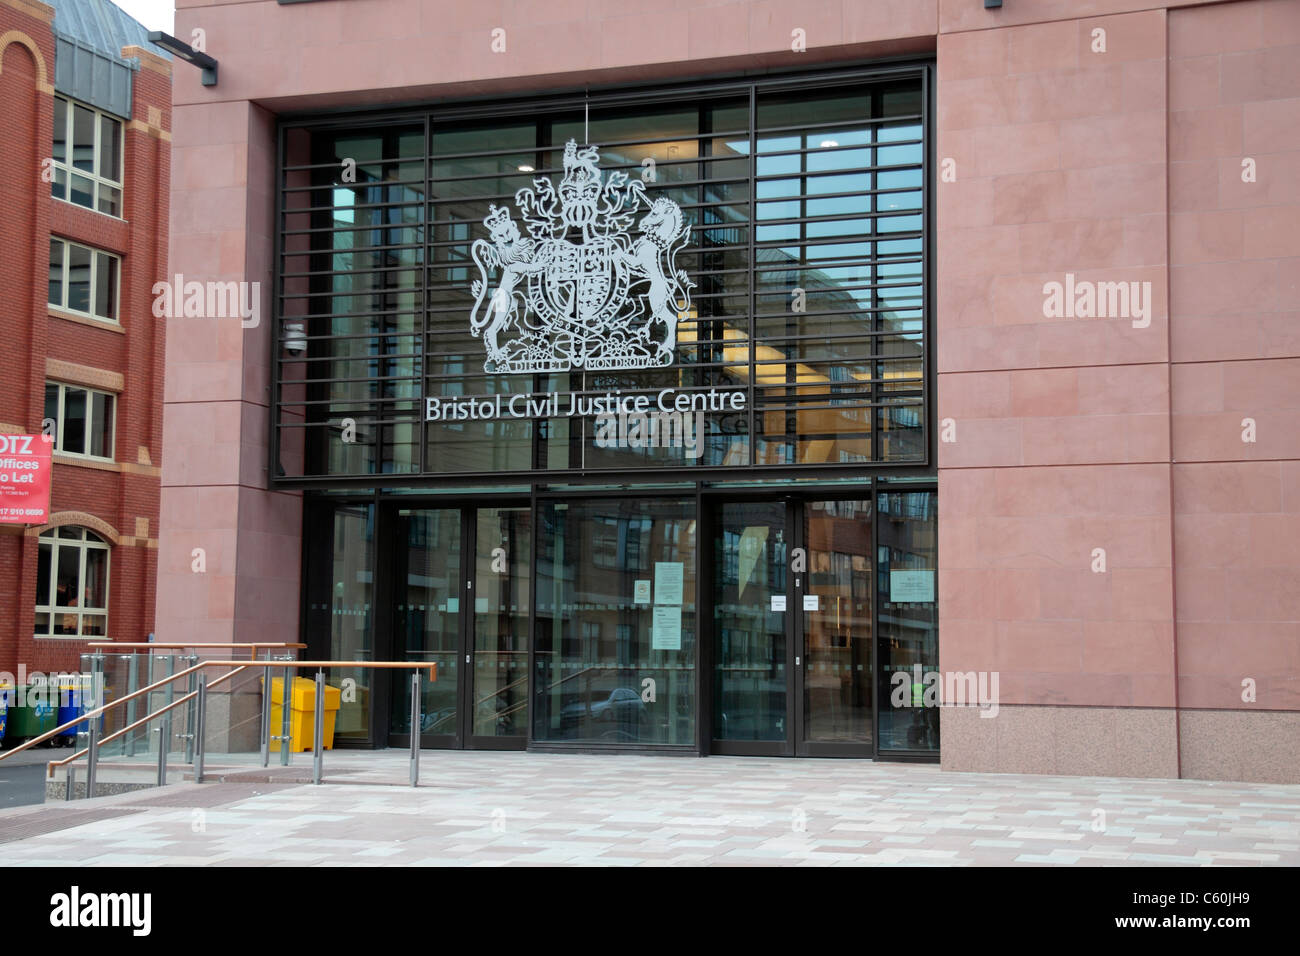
83, 279
87, 157
83, 417
72, 584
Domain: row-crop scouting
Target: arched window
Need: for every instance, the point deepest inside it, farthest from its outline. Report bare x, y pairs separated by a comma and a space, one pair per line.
72, 584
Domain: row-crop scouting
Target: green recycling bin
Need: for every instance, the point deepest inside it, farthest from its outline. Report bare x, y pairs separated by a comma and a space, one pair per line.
30, 714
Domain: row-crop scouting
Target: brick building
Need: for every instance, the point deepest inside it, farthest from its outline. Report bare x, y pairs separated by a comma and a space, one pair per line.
85, 104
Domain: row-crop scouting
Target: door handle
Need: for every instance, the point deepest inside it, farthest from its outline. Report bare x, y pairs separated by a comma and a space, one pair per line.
796, 662
466, 658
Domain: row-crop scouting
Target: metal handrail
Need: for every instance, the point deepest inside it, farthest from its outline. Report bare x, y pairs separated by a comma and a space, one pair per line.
201, 693
143, 720
100, 711
103, 709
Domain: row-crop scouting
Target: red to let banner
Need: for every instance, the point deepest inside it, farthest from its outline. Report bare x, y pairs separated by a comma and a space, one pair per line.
26, 463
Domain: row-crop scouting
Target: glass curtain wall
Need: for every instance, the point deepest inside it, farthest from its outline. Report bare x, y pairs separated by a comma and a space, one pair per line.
802, 211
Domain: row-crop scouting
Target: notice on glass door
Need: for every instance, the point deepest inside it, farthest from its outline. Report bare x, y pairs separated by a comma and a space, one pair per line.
907, 587
778, 602
666, 628
668, 582
641, 591
812, 602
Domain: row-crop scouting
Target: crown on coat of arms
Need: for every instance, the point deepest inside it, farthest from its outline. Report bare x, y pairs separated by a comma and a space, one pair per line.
497, 217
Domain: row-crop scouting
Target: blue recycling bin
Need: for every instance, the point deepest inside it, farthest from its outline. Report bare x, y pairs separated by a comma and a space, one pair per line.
71, 705
4, 713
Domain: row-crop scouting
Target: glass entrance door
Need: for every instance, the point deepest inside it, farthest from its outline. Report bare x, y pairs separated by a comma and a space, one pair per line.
461, 601
835, 600
503, 547
752, 698
792, 628
427, 614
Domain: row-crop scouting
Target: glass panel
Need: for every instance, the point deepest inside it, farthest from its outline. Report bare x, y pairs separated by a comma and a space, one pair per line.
908, 642
73, 430
94, 625
83, 191
95, 586
52, 409
616, 622
110, 200
101, 426
78, 278
56, 273
68, 560
749, 570
352, 599
43, 559
369, 298
110, 149
426, 619
837, 633
501, 593
60, 151
83, 139
105, 286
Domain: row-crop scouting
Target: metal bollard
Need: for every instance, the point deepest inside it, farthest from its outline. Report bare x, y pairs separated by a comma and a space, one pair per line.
195, 679
132, 678
286, 699
318, 728
92, 758
165, 731
415, 728
70, 787
266, 715
162, 752
200, 711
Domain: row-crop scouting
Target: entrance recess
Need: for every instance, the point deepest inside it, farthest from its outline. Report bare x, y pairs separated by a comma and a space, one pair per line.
792, 628
460, 599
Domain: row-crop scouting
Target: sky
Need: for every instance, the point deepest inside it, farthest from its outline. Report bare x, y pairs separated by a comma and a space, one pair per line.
154, 14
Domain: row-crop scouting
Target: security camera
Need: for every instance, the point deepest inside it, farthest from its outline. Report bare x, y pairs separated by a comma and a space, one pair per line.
295, 338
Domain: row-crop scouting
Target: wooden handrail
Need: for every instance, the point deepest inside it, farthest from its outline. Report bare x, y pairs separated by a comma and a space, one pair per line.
106, 645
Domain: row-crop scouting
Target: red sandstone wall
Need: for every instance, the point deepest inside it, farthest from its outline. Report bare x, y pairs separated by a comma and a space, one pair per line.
1071, 434
1234, 95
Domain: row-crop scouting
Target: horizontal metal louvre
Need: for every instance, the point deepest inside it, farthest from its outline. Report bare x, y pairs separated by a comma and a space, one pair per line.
805, 204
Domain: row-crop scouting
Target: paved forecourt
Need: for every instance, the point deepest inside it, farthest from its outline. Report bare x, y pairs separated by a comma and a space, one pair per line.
531, 808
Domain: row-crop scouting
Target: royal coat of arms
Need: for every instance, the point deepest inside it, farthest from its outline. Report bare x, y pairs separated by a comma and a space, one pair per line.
578, 292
